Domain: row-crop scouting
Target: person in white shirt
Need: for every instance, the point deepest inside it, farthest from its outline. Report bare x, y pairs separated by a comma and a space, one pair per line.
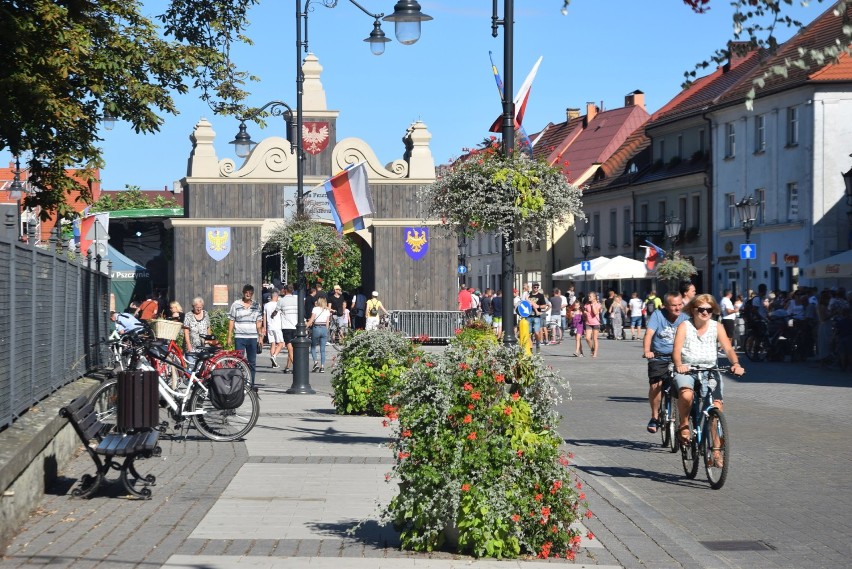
635, 305
272, 326
729, 313
288, 308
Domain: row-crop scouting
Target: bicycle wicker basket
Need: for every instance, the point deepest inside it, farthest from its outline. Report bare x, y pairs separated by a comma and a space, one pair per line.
167, 329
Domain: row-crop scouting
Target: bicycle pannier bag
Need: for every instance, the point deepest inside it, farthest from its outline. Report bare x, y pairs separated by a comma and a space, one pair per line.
226, 388
138, 400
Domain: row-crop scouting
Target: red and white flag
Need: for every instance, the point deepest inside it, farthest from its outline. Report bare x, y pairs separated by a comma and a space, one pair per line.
348, 194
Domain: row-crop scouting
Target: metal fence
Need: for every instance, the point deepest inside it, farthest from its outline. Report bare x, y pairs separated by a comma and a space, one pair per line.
436, 324
56, 311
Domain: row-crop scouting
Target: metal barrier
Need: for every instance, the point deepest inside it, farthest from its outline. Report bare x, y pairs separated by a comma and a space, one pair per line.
436, 324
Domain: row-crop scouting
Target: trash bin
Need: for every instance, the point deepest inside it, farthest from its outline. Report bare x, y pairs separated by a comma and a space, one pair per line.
138, 400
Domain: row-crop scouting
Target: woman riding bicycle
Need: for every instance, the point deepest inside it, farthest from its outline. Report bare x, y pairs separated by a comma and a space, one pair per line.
695, 346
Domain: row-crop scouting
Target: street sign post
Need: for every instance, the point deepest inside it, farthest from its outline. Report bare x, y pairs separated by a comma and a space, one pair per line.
585, 266
462, 269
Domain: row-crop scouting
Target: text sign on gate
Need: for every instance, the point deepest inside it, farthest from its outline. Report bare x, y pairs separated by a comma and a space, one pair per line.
748, 251
586, 266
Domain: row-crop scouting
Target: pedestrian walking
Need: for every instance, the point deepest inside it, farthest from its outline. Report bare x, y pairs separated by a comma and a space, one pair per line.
272, 327
245, 326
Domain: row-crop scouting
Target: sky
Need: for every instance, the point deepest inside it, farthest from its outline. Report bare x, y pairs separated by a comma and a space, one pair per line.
600, 51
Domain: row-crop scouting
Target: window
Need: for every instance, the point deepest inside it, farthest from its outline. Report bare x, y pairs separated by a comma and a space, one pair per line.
792, 201
730, 140
538, 244
792, 126
661, 210
662, 156
701, 147
696, 211
680, 146
681, 210
627, 229
613, 228
760, 195
731, 213
643, 213
596, 230
479, 243
497, 243
759, 133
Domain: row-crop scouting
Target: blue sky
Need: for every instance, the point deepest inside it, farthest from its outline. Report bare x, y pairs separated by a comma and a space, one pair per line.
600, 51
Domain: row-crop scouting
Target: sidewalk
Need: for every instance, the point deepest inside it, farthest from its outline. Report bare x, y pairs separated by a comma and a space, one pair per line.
286, 497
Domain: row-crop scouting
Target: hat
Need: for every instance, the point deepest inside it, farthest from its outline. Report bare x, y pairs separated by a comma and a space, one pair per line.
477, 293
375, 293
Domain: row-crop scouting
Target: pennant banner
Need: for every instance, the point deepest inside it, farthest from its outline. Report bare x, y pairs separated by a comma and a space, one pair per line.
416, 241
348, 195
521, 100
218, 242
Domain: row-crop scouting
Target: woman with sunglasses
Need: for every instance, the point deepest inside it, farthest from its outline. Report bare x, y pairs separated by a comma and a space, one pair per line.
695, 346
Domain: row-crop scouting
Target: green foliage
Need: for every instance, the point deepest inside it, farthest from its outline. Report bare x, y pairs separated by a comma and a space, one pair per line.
368, 371
219, 326
485, 191
477, 454
131, 198
676, 268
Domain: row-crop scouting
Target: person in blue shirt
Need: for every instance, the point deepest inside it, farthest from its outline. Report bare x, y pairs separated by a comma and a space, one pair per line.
657, 349
124, 322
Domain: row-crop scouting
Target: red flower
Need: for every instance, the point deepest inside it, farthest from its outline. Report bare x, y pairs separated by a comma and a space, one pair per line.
406, 433
467, 419
465, 487
588, 514
479, 373
579, 485
516, 518
507, 410
403, 455
430, 364
581, 496
499, 378
590, 535
538, 497
467, 387
569, 555
516, 396
472, 436
520, 452
387, 476
545, 511
385, 423
475, 395
557, 484
471, 406
464, 366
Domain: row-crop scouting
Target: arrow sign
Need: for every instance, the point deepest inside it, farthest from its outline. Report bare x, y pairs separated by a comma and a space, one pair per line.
586, 266
524, 309
462, 269
748, 251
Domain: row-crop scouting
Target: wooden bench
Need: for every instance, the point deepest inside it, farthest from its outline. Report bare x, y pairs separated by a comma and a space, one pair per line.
103, 446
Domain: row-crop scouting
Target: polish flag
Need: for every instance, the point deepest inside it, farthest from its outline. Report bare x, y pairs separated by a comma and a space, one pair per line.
348, 194
653, 255
521, 99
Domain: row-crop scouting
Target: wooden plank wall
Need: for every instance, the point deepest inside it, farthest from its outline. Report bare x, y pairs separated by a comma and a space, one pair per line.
234, 200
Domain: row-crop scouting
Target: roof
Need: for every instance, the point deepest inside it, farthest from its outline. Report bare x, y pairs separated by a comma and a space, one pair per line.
613, 172
823, 32
144, 213
555, 135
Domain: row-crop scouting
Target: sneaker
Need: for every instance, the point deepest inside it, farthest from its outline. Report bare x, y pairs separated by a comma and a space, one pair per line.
286, 370
274, 363
322, 369
316, 366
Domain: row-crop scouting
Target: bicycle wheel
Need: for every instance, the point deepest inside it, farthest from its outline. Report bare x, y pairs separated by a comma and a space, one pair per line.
756, 348
232, 362
674, 420
689, 455
105, 402
717, 459
663, 419
224, 425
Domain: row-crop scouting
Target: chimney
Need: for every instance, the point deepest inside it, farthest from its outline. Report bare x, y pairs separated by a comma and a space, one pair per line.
635, 99
591, 112
570, 112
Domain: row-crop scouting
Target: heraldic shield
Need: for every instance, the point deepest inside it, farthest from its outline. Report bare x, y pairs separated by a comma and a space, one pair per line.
218, 241
416, 241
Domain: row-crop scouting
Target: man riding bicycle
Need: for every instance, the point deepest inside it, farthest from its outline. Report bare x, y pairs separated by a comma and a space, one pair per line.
658, 344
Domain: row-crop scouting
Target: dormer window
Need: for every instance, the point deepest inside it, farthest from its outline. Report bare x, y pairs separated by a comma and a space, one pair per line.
632, 168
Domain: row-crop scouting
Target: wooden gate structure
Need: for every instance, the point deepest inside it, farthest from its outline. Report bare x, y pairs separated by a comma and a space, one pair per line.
246, 201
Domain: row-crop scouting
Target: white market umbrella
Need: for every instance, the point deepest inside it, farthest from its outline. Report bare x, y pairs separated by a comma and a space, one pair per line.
618, 268
576, 271
836, 267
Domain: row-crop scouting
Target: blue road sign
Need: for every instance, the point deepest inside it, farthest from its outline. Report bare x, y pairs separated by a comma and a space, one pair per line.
748, 251
524, 309
462, 269
585, 265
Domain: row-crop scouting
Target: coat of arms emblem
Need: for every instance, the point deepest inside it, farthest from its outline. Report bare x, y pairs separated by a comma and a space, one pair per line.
416, 241
315, 136
218, 242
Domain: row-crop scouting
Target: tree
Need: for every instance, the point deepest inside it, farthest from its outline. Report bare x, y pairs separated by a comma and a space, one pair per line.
131, 198
65, 64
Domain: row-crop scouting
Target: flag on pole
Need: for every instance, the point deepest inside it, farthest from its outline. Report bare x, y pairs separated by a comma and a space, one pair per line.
521, 100
349, 197
93, 228
653, 255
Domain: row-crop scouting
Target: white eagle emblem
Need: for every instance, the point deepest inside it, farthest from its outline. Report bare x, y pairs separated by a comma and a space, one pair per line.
315, 137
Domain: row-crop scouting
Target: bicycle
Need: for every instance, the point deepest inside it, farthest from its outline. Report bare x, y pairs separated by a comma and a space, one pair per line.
188, 399
667, 415
336, 333
710, 437
773, 338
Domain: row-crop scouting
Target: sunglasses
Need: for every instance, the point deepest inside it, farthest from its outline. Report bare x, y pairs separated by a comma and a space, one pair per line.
704, 309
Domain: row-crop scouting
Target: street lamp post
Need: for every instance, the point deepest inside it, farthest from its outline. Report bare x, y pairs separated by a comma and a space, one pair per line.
586, 241
672, 226
508, 134
747, 209
407, 18
16, 192
462, 243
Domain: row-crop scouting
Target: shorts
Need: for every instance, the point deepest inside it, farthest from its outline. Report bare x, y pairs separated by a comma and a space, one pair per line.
487, 318
496, 320
535, 324
275, 336
658, 370
341, 321
593, 326
555, 319
635, 321
288, 335
686, 381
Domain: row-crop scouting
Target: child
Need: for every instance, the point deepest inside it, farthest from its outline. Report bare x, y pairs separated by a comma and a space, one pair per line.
577, 328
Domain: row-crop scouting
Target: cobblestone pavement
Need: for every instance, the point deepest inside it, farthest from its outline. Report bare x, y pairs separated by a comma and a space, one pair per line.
786, 502
286, 496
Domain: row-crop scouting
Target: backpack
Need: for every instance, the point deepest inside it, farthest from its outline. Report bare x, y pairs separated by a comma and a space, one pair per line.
749, 311
374, 311
650, 306
226, 388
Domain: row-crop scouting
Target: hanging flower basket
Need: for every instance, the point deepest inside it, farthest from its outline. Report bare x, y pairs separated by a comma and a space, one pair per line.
487, 192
